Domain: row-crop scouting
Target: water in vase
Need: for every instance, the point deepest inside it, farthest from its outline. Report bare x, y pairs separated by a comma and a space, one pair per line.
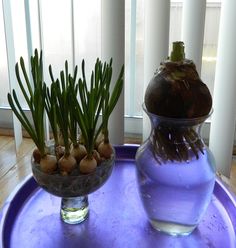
175, 195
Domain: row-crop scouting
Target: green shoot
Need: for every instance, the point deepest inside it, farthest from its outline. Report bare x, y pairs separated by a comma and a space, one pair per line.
110, 99
34, 95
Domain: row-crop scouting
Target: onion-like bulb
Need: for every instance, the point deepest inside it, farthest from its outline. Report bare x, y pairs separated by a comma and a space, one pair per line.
105, 150
78, 152
67, 164
87, 165
48, 163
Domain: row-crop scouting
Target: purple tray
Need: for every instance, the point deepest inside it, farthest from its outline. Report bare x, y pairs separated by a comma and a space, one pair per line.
30, 217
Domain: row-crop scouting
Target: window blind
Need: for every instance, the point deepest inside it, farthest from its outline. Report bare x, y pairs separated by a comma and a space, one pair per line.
109, 35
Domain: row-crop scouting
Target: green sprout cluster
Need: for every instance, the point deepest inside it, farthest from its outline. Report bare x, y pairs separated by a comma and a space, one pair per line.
72, 104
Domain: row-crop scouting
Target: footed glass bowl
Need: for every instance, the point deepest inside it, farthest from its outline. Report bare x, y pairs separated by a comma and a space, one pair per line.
74, 188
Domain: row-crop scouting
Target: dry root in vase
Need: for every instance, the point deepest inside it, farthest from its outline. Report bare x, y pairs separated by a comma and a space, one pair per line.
176, 144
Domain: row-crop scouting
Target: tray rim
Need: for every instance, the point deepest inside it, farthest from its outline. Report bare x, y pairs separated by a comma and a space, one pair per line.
221, 192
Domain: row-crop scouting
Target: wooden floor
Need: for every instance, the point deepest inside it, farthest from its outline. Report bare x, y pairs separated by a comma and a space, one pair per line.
14, 168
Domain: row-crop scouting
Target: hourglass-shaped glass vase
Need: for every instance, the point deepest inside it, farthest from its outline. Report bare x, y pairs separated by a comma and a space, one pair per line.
175, 174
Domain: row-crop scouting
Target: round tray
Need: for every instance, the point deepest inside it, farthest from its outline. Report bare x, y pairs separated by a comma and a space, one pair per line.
30, 217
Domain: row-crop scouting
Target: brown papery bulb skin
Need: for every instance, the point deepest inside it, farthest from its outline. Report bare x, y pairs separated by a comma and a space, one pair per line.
97, 156
67, 164
87, 165
105, 150
177, 91
36, 155
48, 164
79, 152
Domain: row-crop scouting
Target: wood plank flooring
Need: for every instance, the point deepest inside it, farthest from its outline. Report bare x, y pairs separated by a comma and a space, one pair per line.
14, 168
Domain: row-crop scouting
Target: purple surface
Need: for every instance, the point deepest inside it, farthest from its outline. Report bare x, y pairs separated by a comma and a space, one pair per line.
30, 217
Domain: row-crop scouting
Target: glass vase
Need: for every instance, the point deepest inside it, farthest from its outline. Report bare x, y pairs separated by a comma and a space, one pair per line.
74, 210
175, 174
74, 188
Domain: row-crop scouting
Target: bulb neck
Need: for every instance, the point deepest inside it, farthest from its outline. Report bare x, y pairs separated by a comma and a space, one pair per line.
177, 53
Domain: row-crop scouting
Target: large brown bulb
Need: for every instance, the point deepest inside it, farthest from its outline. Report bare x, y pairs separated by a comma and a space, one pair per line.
177, 91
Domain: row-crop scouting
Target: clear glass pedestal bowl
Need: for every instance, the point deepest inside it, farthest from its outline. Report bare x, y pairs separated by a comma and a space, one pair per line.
73, 189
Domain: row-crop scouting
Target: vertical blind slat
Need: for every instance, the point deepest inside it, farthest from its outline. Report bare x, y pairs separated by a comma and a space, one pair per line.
72, 34
11, 65
46, 121
113, 33
28, 33
193, 23
156, 42
40, 24
132, 71
224, 101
